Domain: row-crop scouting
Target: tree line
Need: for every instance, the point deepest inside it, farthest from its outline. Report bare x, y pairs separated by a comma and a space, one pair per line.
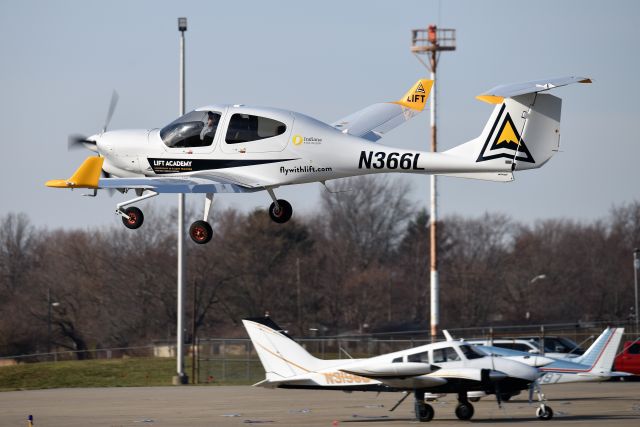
360, 263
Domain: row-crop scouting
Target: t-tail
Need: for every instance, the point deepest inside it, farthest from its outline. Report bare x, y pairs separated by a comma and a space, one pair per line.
522, 133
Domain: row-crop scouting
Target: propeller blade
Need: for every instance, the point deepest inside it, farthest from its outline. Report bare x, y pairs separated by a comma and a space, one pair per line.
112, 108
76, 141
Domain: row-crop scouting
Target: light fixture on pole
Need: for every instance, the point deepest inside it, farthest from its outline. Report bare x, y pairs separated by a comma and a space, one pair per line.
181, 377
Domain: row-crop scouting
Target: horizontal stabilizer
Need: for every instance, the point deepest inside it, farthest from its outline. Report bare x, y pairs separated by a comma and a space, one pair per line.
497, 94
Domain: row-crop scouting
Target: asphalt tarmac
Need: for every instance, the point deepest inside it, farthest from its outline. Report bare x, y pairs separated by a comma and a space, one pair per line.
593, 404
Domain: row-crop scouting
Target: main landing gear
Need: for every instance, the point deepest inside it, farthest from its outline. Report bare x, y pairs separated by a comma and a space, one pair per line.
424, 411
464, 410
200, 231
280, 210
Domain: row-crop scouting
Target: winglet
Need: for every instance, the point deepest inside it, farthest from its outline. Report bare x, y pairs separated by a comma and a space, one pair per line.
416, 97
86, 176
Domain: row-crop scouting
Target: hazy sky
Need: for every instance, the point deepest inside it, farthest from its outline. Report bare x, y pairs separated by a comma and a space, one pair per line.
61, 60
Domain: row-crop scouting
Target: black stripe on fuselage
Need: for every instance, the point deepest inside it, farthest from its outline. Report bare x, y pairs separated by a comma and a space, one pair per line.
168, 165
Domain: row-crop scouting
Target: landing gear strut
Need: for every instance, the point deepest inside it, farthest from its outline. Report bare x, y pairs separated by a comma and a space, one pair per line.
464, 410
201, 231
424, 411
132, 217
544, 411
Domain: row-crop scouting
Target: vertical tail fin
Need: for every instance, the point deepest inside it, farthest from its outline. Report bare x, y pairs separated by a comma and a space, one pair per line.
280, 355
602, 352
523, 132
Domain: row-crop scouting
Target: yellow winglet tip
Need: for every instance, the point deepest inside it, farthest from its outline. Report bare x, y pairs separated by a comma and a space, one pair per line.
416, 97
57, 183
491, 99
86, 176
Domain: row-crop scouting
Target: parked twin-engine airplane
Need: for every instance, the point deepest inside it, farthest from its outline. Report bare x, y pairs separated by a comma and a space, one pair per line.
445, 367
236, 148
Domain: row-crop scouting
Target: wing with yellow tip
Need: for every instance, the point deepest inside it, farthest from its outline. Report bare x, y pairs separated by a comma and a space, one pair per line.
374, 121
86, 176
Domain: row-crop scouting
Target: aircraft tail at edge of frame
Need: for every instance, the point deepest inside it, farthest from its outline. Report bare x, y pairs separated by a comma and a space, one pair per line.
279, 354
601, 354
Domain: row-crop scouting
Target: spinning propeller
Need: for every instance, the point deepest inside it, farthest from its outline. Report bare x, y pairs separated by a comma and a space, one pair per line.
81, 141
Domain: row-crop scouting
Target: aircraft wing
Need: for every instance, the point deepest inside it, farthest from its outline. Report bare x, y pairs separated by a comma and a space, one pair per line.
187, 184
374, 121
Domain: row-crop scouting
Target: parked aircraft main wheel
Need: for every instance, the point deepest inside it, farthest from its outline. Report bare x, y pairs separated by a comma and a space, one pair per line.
200, 232
474, 399
283, 213
424, 412
544, 412
464, 411
135, 219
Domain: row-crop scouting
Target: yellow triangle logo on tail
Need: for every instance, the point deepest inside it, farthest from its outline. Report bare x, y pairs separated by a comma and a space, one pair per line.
416, 97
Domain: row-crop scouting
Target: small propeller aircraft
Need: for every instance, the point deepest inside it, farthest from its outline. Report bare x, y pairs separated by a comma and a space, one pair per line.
237, 149
446, 367
592, 366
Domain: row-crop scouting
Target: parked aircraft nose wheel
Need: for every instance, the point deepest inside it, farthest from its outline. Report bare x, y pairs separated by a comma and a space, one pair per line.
135, 219
281, 214
464, 411
200, 232
424, 412
544, 412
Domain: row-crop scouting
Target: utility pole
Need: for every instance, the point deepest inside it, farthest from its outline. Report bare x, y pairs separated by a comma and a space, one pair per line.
429, 43
181, 377
636, 267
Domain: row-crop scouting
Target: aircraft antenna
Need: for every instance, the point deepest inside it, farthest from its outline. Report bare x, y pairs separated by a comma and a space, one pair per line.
426, 45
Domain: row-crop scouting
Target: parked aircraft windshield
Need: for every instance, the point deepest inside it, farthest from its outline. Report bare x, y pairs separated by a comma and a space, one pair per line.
470, 352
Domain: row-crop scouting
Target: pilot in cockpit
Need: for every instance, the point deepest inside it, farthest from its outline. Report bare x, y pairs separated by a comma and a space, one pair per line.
209, 129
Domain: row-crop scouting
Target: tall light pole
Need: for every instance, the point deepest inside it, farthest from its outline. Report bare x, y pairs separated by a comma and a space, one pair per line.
181, 377
636, 267
430, 42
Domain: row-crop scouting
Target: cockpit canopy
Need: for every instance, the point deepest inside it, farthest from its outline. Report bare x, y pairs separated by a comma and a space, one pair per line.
194, 129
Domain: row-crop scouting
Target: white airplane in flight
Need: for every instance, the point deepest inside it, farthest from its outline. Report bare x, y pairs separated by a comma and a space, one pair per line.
237, 148
446, 367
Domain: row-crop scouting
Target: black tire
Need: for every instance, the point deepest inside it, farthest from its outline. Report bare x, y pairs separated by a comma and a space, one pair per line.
424, 412
464, 411
135, 220
283, 214
544, 414
200, 232
474, 399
